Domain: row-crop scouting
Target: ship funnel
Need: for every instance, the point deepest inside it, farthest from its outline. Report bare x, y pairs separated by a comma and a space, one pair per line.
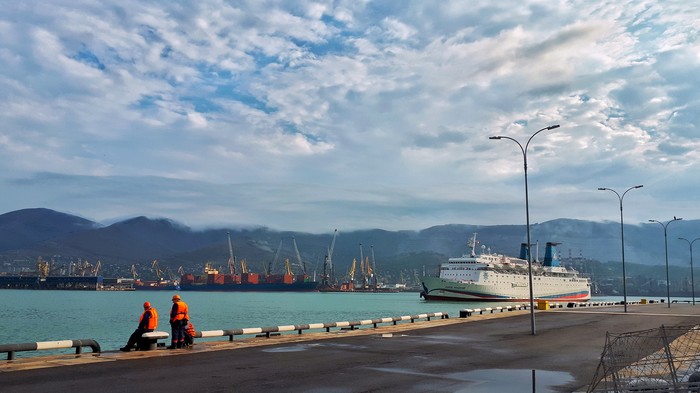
523, 251
550, 255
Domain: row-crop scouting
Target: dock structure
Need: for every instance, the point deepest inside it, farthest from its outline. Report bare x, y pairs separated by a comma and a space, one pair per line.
443, 355
90, 283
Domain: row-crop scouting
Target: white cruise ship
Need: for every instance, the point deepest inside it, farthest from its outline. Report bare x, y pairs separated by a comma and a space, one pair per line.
495, 277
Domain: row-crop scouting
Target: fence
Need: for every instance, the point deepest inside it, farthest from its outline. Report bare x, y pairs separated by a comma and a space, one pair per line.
328, 326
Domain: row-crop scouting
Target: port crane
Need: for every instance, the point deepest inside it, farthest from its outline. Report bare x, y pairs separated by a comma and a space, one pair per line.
96, 268
363, 268
231, 257
42, 267
156, 270
351, 275
271, 266
328, 280
373, 275
81, 267
301, 264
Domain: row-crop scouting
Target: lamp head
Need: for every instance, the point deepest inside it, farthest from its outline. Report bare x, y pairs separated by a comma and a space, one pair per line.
602, 188
494, 137
639, 186
553, 127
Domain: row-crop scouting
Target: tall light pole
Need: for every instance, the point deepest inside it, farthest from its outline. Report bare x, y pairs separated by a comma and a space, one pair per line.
527, 217
692, 279
668, 284
622, 236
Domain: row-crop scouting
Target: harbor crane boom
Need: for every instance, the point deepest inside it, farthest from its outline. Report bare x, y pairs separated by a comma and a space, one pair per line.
362, 268
351, 274
96, 269
328, 276
374, 268
231, 258
287, 268
273, 264
156, 270
296, 251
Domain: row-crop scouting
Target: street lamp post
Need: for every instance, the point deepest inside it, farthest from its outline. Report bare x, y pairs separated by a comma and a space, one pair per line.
692, 279
668, 284
527, 217
622, 236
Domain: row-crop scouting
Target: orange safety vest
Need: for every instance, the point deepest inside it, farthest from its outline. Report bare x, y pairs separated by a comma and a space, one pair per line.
181, 312
153, 322
190, 329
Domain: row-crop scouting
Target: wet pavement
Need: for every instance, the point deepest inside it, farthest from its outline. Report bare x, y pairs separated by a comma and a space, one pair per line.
482, 353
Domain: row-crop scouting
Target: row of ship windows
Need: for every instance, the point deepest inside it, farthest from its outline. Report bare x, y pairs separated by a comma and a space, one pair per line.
458, 268
534, 278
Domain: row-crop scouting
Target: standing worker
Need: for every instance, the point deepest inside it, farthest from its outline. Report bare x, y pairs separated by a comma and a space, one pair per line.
178, 322
147, 323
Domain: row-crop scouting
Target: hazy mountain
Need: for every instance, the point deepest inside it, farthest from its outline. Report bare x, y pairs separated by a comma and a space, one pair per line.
30, 233
29, 227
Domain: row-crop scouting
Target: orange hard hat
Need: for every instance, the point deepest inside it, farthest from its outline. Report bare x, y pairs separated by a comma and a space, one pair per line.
176, 297
147, 305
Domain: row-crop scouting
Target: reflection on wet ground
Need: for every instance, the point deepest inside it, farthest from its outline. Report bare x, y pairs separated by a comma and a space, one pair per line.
488, 381
304, 347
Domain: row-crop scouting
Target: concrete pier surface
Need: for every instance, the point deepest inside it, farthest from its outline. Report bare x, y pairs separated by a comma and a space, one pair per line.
482, 353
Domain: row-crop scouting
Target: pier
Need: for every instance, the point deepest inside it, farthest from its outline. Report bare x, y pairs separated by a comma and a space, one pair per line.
442, 355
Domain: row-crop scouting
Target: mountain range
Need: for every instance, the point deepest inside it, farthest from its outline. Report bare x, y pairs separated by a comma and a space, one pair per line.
32, 233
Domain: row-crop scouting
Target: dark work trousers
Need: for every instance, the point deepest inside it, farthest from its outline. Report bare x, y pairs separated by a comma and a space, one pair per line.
178, 333
135, 337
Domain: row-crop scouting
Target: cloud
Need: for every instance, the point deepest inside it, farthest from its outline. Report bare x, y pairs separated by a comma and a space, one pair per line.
312, 115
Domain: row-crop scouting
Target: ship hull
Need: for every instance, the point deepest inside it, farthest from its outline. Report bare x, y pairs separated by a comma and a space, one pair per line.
307, 286
156, 287
555, 289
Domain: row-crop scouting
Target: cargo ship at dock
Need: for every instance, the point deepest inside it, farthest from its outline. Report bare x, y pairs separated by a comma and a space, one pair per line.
212, 280
245, 281
499, 278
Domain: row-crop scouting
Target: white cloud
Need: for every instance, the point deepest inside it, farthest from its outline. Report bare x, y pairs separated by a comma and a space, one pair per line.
373, 113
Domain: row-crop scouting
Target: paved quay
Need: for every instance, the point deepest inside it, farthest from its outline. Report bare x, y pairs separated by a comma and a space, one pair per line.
482, 353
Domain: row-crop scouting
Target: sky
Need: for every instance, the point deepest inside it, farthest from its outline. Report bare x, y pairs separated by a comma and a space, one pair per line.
321, 115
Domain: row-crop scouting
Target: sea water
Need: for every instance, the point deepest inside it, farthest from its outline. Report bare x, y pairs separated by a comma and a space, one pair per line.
109, 317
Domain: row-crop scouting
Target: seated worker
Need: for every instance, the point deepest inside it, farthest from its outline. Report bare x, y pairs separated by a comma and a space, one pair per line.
189, 334
147, 323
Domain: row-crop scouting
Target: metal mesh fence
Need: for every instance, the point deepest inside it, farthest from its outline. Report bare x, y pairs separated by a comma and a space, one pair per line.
666, 359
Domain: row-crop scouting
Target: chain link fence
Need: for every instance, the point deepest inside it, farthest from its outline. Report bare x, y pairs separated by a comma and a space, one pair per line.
666, 359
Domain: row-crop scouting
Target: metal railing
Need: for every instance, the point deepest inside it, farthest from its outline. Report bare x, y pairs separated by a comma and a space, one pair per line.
328, 326
10, 349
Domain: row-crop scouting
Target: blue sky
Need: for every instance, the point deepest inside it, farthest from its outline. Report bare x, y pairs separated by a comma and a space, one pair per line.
316, 115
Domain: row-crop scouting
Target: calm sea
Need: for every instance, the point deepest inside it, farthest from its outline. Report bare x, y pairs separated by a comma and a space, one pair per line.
110, 317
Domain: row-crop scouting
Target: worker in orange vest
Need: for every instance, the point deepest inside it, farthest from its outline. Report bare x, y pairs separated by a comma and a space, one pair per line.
179, 317
189, 334
148, 322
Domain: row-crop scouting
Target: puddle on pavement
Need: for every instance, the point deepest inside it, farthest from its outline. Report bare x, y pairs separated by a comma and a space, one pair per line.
304, 347
292, 348
512, 381
490, 380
